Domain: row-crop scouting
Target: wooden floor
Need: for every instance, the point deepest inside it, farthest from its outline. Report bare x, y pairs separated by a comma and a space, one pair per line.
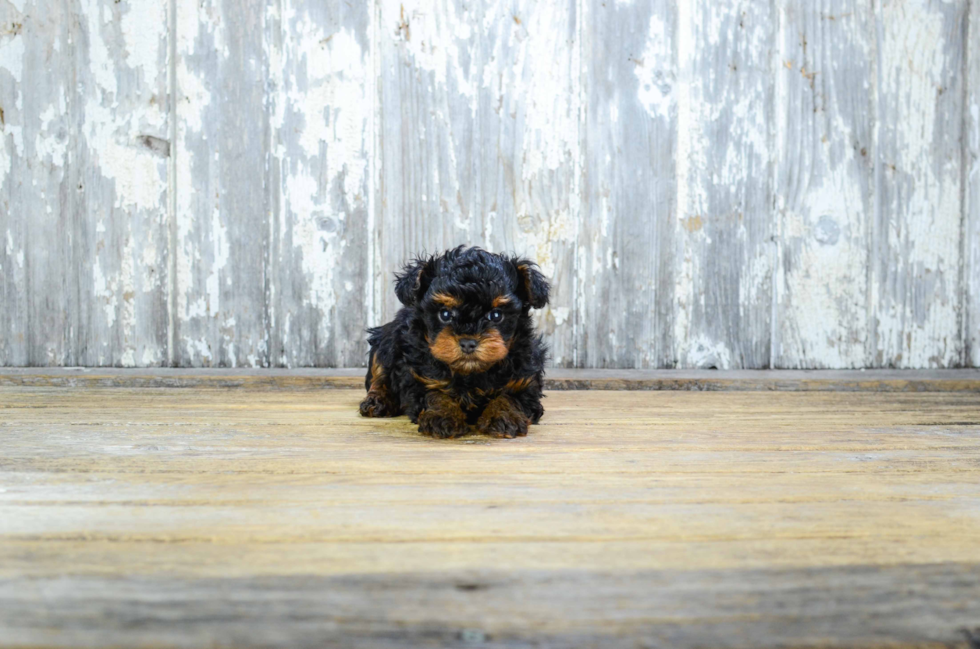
256, 517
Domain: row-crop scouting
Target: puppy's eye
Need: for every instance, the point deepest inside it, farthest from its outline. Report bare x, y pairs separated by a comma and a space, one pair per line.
495, 316
446, 315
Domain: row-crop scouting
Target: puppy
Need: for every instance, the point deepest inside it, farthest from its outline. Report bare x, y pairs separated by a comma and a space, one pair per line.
462, 351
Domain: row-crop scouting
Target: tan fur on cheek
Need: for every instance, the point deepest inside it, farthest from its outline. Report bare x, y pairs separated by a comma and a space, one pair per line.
446, 347
492, 348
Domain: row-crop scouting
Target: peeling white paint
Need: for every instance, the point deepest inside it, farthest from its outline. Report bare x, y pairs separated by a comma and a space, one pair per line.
823, 195
98, 16
5, 159
924, 191
689, 199
501, 159
654, 71
12, 56
140, 19
701, 352
128, 358
437, 39
51, 142
150, 357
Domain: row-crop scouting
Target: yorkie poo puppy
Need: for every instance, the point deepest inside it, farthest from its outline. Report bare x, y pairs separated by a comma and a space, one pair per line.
462, 351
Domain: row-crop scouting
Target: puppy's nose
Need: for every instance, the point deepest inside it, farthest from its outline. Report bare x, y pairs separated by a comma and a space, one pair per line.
468, 345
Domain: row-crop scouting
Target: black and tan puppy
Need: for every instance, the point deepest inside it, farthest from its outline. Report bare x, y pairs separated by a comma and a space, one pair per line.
463, 350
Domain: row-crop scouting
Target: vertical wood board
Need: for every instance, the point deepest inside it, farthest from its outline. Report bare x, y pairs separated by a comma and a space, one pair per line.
824, 182
323, 114
36, 95
723, 288
971, 171
916, 230
224, 193
625, 302
119, 155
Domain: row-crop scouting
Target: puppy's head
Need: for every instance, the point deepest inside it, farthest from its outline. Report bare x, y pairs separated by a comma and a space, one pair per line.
472, 303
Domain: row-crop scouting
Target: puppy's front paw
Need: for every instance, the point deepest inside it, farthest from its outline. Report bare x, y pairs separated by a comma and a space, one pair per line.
440, 425
375, 405
502, 418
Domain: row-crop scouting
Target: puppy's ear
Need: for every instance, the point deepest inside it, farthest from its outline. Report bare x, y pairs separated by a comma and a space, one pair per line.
532, 287
412, 283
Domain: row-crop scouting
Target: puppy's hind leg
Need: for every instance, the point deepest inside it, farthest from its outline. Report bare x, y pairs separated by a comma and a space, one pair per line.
379, 401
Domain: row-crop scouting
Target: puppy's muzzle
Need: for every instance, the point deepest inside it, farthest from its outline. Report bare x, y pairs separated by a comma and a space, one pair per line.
468, 345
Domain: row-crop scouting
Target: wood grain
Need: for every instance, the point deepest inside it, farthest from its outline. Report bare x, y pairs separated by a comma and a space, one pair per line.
824, 192
723, 292
971, 171
555, 379
223, 183
120, 151
918, 170
194, 517
628, 233
323, 118
737, 185
36, 218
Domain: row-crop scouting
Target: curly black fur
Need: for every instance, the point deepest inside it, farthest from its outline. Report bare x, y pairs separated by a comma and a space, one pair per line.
417, 366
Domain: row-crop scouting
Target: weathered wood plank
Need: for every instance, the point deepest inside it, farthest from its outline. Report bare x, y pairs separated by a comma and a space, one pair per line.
120, 153
324, 118
36, 191
723, 291
520, 126
556, 379
199, 517
824, 192
627, 242
916, 250
224, 189
480, 139
971, 171
864, 606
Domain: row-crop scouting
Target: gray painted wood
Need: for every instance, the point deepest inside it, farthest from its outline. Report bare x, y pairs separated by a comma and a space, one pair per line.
824, 171
846, 606
916, 229
625, 301
120, 151
703, 188
723, 293
323, 123
971, 170
945, 380
480, 140
224, 184
36, 97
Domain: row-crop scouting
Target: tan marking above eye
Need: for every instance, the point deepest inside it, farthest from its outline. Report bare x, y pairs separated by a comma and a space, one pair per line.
501, 300
446, 300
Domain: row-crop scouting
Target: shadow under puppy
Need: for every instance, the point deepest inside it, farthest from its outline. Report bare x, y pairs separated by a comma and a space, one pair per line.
462, 351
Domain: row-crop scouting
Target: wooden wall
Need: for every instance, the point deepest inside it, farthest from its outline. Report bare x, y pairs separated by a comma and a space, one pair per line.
765, 183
